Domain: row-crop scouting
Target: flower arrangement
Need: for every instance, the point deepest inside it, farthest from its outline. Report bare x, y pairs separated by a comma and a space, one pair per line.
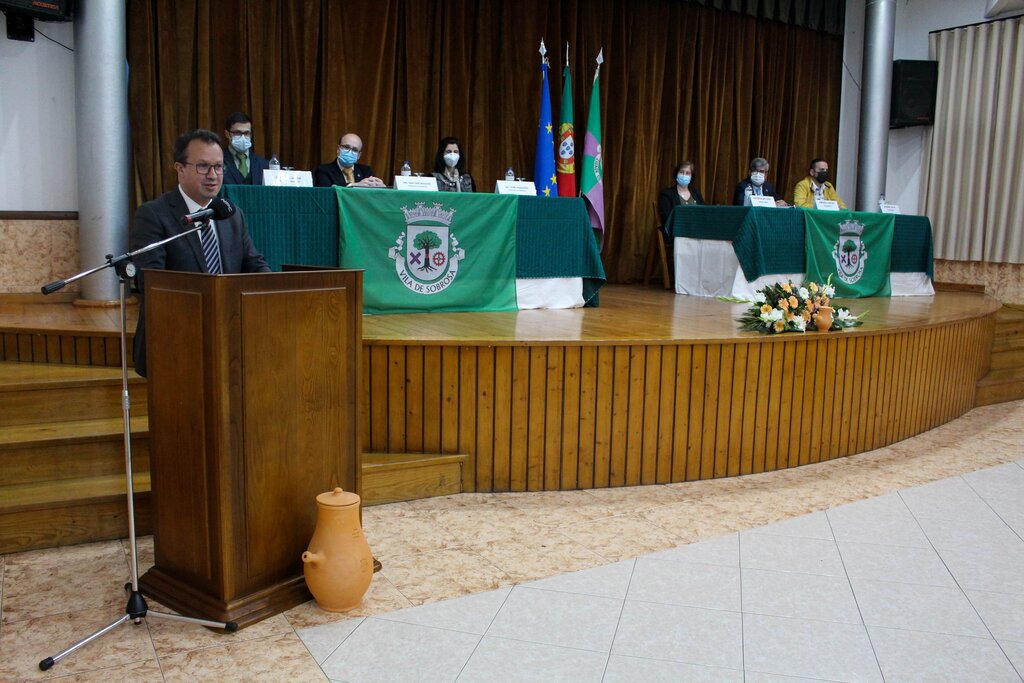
784, 307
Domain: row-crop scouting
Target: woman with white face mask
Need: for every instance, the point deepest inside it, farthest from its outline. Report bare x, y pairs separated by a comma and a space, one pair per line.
450, 167
683, 192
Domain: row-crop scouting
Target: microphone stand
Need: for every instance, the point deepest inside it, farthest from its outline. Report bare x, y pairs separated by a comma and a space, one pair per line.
136, 610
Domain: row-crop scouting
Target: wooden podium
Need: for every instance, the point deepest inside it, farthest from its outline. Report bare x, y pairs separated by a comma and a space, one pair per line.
254, 385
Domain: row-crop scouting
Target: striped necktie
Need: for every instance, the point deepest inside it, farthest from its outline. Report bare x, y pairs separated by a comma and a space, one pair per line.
211, 250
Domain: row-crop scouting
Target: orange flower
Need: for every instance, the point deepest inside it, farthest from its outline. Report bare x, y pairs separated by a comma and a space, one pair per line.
786, 288
783, 304
766, 309
789, 316
824, 301
806, 315
813, 286
779, 326
793, 303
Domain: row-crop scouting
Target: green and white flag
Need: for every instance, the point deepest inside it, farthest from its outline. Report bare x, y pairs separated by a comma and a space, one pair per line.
430, 252
853, 247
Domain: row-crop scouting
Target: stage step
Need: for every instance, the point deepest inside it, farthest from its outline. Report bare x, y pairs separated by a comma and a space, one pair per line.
35, 393
1005, 379
392, 477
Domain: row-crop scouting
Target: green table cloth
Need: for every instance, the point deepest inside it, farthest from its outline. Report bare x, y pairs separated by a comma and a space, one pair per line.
299, 225
769, 241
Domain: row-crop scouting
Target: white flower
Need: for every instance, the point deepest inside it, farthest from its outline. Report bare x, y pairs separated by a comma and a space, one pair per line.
776, 314
803, 294
799, 323
843, 314
829, 291
759, 298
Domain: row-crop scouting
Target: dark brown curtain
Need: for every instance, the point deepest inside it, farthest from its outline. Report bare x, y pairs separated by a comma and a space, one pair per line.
680, 81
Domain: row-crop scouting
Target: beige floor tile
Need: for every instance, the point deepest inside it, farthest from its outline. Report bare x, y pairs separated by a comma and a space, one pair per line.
443, 574
619, 538
525, 558
170, 637
478, 524
56, 580
136, 672
382, 596
24, 643
406, 534
561, 508
280, 657
629, 499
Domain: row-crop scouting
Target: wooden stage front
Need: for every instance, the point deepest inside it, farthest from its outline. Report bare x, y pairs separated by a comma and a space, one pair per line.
650, 387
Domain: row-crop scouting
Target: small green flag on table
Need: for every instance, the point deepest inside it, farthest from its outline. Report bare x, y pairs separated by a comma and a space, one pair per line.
430, 252
853, 247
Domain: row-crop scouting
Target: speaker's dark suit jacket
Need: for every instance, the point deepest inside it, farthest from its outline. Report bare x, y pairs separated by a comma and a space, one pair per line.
257, 165
329, 174
160, 219
739, 196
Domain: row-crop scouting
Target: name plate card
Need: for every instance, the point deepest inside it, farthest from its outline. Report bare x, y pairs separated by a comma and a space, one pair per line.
826, 205
762, 200
416, 183
523, 187
287, 178
890, 208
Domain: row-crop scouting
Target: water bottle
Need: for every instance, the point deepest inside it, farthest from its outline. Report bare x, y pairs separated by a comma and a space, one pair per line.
748, 192
881, 202
275, 163
510, 174
406, 168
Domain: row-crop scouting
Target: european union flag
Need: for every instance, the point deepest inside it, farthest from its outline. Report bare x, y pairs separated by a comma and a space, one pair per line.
544, 165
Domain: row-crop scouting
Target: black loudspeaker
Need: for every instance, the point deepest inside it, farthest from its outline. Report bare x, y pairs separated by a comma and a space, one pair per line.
913, 92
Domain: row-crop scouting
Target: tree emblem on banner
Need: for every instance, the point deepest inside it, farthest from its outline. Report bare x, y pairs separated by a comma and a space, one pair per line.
427, 254
849, 252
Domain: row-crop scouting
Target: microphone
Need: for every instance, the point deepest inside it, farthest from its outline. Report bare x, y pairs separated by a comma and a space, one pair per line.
218, 209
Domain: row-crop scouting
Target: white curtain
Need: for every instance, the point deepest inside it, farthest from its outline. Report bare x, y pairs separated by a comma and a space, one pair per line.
974, 154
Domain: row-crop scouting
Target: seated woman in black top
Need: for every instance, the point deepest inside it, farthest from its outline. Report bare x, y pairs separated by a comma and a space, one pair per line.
450, 168
683, 192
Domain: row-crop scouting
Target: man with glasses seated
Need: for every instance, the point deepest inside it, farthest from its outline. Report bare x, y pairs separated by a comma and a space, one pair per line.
344, 170
225, 247
242, 166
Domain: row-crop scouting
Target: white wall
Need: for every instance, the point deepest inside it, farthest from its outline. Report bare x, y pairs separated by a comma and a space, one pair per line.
914, 20
37, 121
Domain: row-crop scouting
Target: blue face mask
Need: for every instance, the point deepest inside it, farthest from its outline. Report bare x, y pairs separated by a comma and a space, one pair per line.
347, 157
240, 143
683, 179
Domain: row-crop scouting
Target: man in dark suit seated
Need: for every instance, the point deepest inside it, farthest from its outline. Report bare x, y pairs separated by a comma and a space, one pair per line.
242, 166
344, 170
225, 246
757, 183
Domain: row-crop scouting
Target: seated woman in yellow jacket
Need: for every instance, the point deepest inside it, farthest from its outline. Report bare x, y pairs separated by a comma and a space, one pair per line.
816, 184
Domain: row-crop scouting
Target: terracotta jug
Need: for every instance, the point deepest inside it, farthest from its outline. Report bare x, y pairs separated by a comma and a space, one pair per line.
823, 319
338, 565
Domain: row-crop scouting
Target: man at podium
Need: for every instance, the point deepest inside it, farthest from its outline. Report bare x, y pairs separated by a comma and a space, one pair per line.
223, 247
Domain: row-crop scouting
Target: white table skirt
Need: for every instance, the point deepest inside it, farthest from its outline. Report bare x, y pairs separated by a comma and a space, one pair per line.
710, 268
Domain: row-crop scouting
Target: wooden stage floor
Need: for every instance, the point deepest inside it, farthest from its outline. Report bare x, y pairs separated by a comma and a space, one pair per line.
628, 314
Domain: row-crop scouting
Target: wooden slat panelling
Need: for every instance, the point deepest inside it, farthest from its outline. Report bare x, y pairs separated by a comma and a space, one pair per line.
571, 420
547, 417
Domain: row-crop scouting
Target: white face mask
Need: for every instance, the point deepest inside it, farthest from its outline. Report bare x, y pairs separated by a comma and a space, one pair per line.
452, 159
757, 178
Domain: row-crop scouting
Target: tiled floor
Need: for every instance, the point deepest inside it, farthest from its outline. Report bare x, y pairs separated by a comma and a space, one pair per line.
906, 563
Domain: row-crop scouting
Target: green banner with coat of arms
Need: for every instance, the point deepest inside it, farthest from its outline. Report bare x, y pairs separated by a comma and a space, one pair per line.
423, 251
854, 248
